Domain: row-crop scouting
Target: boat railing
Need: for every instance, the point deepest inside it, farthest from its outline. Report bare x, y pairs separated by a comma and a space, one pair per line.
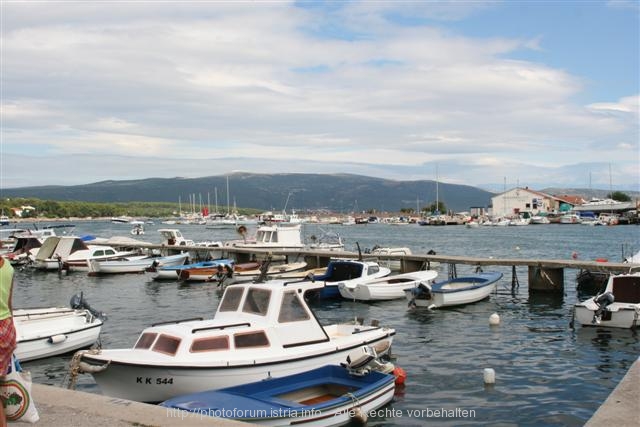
221, 327
173, 322
47, 314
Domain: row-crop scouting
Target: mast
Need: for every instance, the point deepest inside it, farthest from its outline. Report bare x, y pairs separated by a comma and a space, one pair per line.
228, 206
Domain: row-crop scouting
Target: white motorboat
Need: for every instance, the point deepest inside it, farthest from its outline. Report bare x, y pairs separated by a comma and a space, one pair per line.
137, 264
385, 288
455, 291
346, 272
259, 331
138, 228
617, 307
72, 253
45, 332
275, 237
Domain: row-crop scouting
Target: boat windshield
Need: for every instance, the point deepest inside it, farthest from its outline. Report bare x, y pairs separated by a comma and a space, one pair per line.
292, 309
231, 299
257, 301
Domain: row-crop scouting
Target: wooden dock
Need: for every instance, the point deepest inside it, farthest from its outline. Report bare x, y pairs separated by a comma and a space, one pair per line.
545, 275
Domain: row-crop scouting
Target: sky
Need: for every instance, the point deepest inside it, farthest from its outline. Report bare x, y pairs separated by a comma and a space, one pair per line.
491, 94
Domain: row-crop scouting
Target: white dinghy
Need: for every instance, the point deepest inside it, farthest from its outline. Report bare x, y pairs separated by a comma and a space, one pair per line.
45, 332
385, 288
259, 331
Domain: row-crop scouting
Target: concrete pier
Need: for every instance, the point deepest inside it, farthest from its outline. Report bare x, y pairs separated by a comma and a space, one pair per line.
622, 407
70, 408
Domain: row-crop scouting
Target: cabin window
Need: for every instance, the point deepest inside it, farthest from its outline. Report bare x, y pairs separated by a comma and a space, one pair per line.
251, 339
292, 309
257, 301
373, 269
210, 344
145, 341
167, 344
109, 252
98, 253
231, 299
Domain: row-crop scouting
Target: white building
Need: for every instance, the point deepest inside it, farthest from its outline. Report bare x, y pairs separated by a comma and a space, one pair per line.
519, 200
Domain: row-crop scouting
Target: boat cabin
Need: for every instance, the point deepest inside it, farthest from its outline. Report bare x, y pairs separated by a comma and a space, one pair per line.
173, 237
347, 269
250, 316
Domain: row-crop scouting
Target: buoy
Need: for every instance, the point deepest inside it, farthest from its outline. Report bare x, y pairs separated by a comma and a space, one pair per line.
400, 375
494, 319
574, 255
489, 376
517, 248
602, 260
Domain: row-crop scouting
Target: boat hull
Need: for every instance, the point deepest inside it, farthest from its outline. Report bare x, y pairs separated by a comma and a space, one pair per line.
458, 291
618, 317
44, 333
156, 383
326, 396
387, 288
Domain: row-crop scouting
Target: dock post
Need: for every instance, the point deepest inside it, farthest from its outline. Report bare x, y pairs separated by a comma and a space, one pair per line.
548, 280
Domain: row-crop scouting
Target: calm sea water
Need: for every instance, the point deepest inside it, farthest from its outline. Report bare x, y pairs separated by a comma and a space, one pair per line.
546, 373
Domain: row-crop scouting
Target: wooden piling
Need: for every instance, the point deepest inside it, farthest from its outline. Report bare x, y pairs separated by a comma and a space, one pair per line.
546, 279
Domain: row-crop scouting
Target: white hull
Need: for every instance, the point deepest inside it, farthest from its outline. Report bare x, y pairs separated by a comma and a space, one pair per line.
460, 291
386, 288
148, 383
166, 274
621, 317
52, 331
134, 265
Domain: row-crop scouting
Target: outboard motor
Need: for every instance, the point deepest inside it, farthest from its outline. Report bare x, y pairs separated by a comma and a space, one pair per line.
602, 301
363, 360
79, 303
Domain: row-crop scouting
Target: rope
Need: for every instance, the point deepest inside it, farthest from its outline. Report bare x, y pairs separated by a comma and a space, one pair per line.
74, 367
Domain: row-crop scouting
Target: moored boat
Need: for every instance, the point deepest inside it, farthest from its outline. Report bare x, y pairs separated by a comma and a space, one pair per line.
138, 264
347, 272
259, 330
327, 396
385, 288
618, 306
51, 331
455, 291
173, 272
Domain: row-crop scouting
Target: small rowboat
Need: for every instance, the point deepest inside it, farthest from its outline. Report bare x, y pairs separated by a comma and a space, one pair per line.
45, 332
331, 395
455, 291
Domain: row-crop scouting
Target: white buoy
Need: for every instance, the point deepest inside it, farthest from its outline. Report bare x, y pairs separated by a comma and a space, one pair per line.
494, 319
489, 376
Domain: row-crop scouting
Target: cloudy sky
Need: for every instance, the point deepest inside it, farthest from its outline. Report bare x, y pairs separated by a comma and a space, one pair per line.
482, 93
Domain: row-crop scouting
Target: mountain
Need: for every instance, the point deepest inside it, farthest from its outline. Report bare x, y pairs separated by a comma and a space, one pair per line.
340, 193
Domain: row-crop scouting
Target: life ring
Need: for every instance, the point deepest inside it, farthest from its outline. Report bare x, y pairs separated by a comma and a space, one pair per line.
602, 260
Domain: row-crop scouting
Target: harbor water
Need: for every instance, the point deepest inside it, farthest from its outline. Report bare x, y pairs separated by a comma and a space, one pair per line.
546, 373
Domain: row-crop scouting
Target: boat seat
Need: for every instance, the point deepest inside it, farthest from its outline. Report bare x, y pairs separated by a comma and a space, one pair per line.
627, 289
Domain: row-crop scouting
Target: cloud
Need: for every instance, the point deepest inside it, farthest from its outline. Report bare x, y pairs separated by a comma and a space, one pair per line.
365, 87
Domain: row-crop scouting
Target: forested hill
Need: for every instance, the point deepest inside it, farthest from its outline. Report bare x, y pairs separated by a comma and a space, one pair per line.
340, 193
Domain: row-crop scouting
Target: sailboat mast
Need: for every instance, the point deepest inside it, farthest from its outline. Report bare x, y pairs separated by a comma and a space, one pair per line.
228, 205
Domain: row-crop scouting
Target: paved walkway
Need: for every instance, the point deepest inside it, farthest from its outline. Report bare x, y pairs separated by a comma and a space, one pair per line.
68, 408
622, 407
